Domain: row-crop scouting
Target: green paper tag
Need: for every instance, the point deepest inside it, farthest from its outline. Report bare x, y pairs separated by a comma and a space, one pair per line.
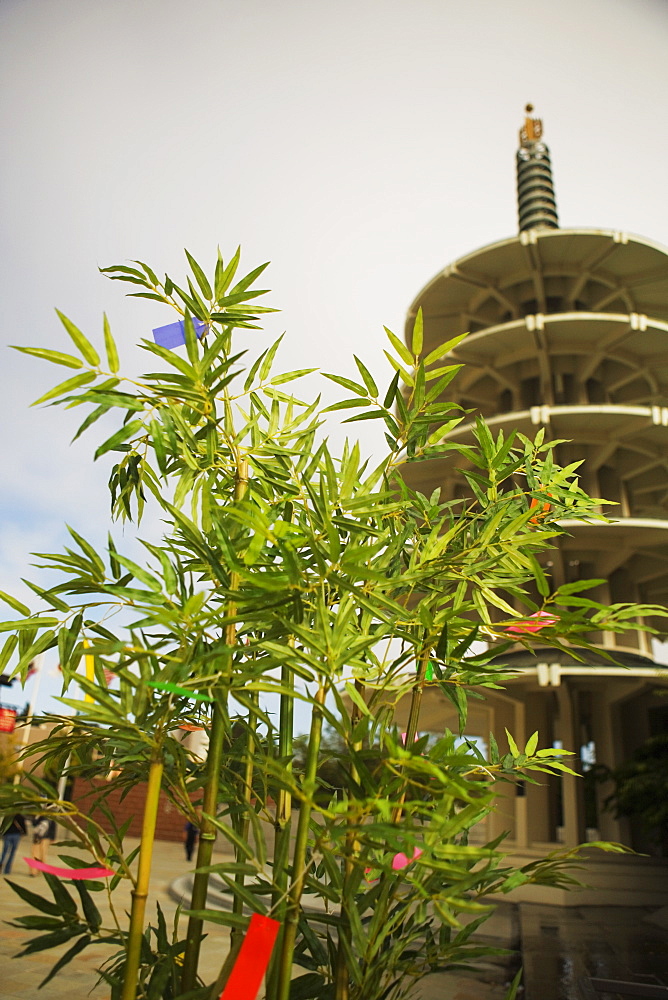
175, 689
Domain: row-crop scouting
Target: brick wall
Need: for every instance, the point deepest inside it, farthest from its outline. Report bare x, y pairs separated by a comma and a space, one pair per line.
170, 822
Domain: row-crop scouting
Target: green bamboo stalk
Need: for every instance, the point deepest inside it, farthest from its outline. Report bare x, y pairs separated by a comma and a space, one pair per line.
341, 974
140, 891
207, 835
207, 838
245, 797
386, 883
299, 858
282, 824
413, 717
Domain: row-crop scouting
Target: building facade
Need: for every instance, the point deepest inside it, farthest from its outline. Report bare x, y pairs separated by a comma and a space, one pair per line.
568, 331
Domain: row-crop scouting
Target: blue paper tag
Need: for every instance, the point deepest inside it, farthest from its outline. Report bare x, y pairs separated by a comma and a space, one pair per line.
174, 334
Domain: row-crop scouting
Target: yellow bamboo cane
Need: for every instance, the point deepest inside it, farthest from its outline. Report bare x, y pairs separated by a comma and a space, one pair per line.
140, 891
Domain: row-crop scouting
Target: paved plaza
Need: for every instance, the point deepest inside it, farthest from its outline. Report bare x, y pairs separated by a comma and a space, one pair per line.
562, 948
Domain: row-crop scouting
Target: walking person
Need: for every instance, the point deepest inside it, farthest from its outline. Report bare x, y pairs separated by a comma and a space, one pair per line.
191, 833
10, 842
43, 832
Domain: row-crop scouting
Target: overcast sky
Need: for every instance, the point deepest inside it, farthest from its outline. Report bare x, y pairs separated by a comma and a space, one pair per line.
359, 145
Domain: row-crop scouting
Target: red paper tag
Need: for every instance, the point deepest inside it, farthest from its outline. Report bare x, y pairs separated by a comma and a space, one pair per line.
252, 960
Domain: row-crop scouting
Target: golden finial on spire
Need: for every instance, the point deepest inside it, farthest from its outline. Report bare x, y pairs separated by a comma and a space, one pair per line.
532, 130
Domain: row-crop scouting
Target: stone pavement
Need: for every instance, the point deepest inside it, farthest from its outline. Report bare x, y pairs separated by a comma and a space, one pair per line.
20, 977
562, 947
565, 948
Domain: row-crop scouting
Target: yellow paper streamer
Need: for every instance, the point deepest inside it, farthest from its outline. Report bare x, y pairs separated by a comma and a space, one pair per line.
90, 669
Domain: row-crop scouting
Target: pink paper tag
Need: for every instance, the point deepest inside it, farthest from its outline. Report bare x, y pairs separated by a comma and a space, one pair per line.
75, 873
534, 623
400, 860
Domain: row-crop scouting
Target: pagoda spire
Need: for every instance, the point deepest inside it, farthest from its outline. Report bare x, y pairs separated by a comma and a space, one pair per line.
536, 201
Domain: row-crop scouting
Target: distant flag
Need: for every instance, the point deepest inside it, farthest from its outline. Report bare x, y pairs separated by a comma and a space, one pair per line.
35, 665
108, 675
7, 720
174, 334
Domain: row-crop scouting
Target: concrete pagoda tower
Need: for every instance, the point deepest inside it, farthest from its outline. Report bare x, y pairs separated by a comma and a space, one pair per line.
568, 331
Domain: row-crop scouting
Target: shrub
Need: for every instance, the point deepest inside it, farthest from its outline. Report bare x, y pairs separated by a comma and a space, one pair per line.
286, 570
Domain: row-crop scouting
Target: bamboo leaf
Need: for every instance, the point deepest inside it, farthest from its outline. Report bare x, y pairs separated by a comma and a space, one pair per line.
418, 333
110, 346
65, 959
51, 940
224, 275
399, 347
119, 269
403, 374
242, 285
94, 415
48, 596
358, 700
121, 435
514, 986
219, 917
200, 276
539, 576
391, 393
84, 346
155, 296
291, 376
191, 339
367, 377
67, 386
268, 359
37, 902
27, 623
90, 910
443, 349
8, 648
55, 356
368, 415
576, 587
13, 602
140, 574
512, 745
347, 404
347, 383
153, 278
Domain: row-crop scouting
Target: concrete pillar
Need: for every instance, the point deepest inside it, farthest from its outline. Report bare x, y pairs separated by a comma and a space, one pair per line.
571, 792
607, 752
541, 798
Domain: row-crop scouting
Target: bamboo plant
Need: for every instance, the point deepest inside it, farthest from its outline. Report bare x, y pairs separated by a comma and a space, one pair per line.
287, 571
